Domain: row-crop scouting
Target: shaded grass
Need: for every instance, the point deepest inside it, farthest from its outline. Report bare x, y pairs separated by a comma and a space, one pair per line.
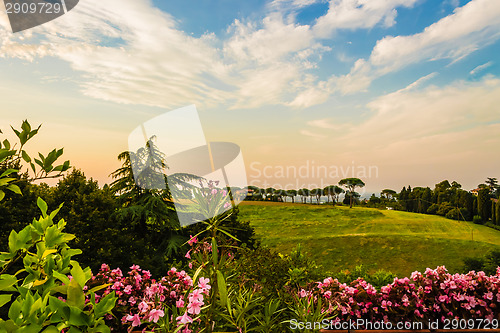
342, 238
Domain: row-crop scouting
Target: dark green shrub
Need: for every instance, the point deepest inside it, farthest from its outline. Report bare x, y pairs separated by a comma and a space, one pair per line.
433, 209
275, 272
444, 208
477, 219
487, 264
457, 214
473, 264
378, 279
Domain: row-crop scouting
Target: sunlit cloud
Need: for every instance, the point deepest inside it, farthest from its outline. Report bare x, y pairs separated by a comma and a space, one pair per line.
469, 28
481, 68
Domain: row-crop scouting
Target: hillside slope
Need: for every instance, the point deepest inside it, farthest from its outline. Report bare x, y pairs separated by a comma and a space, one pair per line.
342, 238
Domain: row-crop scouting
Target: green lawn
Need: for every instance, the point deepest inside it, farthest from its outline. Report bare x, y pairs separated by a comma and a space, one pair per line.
342, 238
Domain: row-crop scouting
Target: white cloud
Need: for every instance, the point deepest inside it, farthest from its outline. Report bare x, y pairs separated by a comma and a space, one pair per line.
131, 52
472, 26
481, 68
425, 135
408, 115
328, 124
419, 82
454, 37
312, 134
287, 5
271, 61
353, 14
311, 96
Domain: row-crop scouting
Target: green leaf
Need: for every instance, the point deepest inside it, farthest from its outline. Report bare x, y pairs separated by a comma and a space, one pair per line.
105, 305
27, 304
26, 127
51, 329
76, 297
2, 195
15, 189
214, 251
60, 289
78, 274
47, 252
25, 156
13, 244
53, 236
198, 271
228, 234
73, 329
15, 310
6, 144
40, 163
38, 304
101, 287
31, 328
59, 306
54, 212
5, 181
102, 328
4, 299
4, 153
67, 237
221, 283
63, 278
43, 206
33, 167
8, 172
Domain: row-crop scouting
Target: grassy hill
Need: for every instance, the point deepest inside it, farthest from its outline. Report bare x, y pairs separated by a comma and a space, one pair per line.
342, 238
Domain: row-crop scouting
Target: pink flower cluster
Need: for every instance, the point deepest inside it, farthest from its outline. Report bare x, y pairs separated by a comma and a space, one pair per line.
142, 301
434, 294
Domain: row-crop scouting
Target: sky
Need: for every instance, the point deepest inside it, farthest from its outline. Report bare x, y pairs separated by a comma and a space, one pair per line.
396, 92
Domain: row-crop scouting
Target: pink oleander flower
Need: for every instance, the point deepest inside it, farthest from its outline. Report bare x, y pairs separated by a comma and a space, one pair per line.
179, 303
128, 290
136, 321
184, 319
143, 306
405, 300
194, 307
146, 274
117, 271
443, 298
302, 293
155, 314
135, 267
203, 283
192, 240
196, 295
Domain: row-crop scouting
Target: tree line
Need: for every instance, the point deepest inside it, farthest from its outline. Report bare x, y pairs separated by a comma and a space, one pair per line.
446, 199
332, 192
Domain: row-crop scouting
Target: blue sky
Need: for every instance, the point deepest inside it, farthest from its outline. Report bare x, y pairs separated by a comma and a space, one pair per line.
411, 87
